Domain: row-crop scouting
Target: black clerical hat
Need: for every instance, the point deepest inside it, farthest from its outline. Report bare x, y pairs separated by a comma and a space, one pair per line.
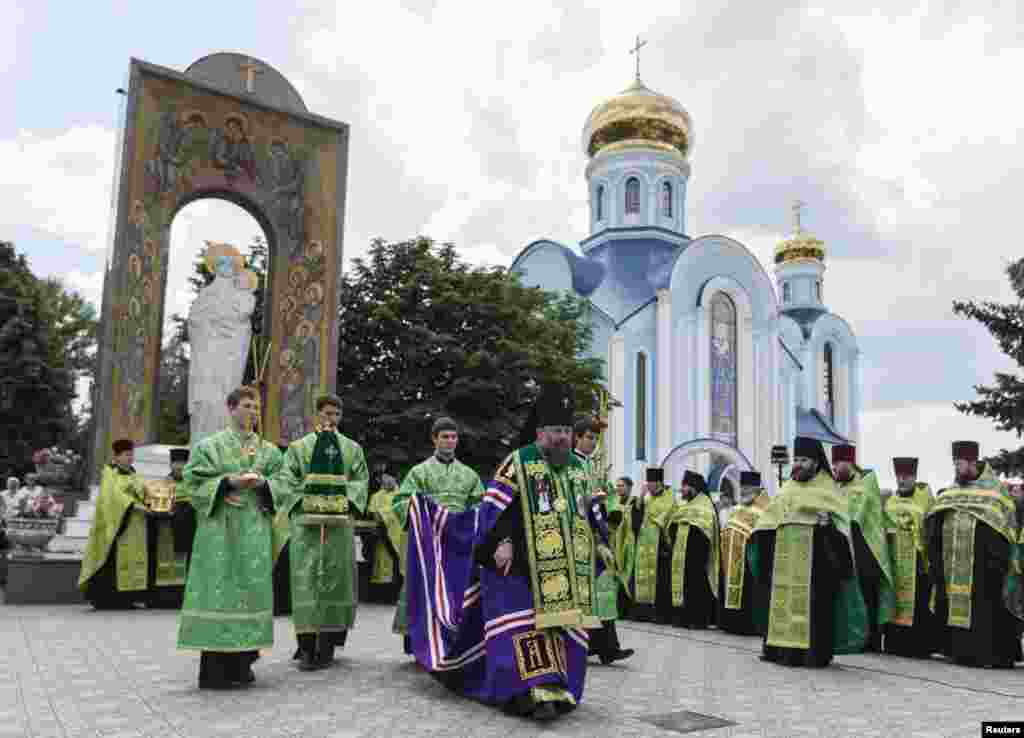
968, 450
694, 480
123, 444
655, 474
750, 479
905, 466
556, 406
179, 454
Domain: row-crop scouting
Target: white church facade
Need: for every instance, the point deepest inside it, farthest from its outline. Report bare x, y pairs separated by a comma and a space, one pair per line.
712, 360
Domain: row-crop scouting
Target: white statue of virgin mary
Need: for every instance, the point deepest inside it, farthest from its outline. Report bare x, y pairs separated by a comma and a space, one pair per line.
219, 330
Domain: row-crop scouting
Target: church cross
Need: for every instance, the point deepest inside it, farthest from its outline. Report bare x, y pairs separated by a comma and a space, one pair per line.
636, 50
797, 207
250, 69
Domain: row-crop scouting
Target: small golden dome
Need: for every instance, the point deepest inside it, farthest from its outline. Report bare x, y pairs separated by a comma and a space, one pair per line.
802, 246
638, 118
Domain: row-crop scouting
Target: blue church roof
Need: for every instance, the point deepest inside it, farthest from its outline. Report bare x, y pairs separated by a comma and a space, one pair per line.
805, 317
637, 266
813, 424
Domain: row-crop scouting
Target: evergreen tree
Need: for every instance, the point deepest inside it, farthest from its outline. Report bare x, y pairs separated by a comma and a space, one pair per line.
36, 373
1002, 402
422, 334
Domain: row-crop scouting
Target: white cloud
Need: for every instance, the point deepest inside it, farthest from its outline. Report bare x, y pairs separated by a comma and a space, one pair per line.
88, 285
59, 183
927, 432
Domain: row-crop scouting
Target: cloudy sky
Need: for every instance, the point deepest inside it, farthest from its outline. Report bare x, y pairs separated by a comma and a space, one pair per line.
897, 125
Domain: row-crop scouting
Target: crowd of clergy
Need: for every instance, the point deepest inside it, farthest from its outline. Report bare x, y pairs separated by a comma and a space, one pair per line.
509, 586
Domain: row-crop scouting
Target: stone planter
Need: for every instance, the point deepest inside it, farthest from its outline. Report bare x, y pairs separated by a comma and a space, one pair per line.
31, 535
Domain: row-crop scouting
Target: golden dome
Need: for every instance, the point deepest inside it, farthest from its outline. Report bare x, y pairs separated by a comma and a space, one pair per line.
638, 118
802, 246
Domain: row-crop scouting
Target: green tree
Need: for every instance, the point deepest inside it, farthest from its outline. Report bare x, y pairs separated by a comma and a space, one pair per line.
1002, 402
422, 334
44, 342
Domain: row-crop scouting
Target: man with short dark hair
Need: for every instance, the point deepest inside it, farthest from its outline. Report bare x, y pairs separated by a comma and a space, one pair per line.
443, 479
972, 552
229, 596
326, 479
115, 566
604, 641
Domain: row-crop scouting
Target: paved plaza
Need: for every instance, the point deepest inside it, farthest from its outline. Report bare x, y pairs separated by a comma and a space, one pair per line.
70, 672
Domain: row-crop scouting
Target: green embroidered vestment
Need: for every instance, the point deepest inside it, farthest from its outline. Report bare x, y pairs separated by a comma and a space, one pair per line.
120, 496
324, 478
229, 597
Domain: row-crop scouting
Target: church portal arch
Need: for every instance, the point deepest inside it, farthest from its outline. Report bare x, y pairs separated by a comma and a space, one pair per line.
229, 127
675, 460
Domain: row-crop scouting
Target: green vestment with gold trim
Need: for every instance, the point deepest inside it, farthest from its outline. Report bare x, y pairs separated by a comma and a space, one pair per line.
121, 497
636, 551
324, 478
229, 597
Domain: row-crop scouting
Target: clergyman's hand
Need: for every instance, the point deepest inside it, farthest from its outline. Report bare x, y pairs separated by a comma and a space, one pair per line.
503, 557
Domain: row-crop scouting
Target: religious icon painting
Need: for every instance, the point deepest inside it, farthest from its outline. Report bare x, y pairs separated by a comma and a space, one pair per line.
534, 654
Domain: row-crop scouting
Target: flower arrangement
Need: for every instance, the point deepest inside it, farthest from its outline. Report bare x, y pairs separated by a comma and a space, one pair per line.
40, 505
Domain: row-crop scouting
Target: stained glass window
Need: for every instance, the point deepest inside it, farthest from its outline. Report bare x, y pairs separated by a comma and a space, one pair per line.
666, 200
599, 205
641, 406
817, 287
723, 368
633, 196
828, 382
785, 292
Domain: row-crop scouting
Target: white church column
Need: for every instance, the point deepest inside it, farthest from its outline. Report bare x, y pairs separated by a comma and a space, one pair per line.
664, 373
809, 359
702, 339
617, 387
854, 393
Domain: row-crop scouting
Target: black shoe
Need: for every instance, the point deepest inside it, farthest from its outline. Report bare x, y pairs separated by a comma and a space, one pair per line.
308, 663
545, 711
216, 684
622, 653
249, 677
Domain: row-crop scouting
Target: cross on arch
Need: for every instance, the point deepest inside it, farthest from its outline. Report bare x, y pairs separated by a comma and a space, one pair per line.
250, 69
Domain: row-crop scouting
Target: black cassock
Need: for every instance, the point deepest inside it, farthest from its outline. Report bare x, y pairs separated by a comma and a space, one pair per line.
831, 563
738, 622
698, 610
994, 636
661, 610
869, 575
918, 640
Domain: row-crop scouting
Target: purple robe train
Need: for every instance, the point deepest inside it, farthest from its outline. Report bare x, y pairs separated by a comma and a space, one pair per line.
464, 618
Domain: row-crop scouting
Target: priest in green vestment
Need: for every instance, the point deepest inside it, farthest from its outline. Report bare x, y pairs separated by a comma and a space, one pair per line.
974, 559
695, 538
326, 481
604, 641
807, 604
871, 556
115, 567
643, 550
911, 629
229, 598
736, 592
446, 481
170, 533
388, 555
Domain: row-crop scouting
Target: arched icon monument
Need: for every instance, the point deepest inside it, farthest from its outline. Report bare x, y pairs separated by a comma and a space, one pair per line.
229, 127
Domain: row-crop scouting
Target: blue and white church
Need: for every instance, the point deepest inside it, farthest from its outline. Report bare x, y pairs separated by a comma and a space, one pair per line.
712, 360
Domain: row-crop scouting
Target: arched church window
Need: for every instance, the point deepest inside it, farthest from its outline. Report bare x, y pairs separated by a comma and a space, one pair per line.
828, 382
817, 289
641, 406
632, 196
666, 200
599, 204
786, 292
723, 368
